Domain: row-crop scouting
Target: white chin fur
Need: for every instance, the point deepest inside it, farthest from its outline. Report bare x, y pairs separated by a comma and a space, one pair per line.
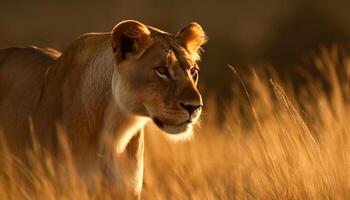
174, 134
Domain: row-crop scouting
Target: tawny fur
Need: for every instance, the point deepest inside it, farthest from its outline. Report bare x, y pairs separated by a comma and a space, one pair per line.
86, 90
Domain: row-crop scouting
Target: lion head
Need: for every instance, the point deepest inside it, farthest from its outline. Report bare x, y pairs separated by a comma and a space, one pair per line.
156, 74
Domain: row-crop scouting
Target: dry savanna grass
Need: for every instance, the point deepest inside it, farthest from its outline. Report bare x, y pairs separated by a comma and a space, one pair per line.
288, 144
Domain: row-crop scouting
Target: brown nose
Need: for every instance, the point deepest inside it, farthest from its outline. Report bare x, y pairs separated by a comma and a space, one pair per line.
190, 108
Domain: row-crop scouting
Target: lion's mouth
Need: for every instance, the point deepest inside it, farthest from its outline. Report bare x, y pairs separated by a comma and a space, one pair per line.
158, 122
172, 128
161, 124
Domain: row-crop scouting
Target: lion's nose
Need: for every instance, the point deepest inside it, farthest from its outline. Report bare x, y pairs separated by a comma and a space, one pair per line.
191, 108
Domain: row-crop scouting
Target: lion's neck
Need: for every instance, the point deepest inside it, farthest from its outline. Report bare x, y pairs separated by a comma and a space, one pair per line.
102, 116
119, 127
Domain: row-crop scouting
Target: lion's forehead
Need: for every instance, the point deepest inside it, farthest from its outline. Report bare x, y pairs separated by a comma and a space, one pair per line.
172, 57
174, 52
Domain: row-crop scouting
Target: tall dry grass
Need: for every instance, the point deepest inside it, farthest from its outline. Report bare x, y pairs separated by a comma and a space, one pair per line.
289, 143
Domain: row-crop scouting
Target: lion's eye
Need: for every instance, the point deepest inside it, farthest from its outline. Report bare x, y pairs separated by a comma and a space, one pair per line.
194, 73
162, 72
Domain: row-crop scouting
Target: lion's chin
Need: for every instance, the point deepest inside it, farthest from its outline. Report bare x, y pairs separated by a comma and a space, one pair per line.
173, 129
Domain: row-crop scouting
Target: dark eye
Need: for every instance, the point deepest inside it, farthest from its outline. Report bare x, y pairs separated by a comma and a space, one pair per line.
194, 73
162, 72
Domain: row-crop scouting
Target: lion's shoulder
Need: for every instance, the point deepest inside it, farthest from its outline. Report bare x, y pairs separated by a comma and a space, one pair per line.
23, 69
47, 51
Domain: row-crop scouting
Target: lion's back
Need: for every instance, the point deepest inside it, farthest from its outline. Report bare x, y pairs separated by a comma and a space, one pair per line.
25, 62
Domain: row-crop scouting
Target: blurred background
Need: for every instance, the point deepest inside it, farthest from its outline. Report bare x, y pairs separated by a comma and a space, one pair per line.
241, 33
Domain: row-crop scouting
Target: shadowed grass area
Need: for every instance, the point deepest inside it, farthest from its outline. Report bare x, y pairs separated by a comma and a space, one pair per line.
294, 144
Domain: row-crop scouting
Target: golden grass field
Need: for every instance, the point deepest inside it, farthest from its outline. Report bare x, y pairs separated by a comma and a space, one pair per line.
290, 145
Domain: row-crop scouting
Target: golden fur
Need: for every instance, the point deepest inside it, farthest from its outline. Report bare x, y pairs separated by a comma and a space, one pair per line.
102, 90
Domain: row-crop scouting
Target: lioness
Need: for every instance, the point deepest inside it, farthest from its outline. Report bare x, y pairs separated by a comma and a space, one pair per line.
103, 89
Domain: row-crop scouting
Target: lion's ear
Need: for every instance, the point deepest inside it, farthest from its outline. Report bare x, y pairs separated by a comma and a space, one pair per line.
130, 39
192, 37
